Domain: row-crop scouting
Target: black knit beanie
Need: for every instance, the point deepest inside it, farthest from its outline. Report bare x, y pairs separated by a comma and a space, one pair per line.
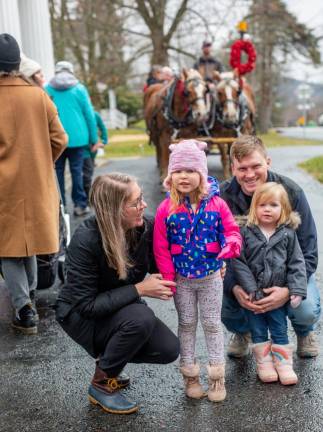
9, 53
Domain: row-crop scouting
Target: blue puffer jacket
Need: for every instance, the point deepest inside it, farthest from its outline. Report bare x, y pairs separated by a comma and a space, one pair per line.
74, 109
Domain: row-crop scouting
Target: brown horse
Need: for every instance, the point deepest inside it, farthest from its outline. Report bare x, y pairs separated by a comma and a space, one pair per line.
175, 110
234, 111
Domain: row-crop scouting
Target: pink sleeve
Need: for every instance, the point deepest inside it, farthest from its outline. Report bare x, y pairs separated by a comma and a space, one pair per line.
160, 243
231, 233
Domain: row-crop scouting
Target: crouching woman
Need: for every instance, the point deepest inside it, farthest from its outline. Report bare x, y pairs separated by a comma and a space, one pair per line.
100, 306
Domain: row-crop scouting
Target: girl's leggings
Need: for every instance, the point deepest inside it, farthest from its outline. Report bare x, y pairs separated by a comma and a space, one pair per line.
207, 293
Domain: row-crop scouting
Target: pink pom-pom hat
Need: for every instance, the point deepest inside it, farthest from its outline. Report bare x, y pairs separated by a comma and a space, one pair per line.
190, 155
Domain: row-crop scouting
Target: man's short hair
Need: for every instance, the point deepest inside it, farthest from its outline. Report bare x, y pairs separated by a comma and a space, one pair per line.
245, 145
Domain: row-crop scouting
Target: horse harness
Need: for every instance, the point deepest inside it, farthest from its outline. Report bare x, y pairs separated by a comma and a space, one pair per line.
242, 106
175, 122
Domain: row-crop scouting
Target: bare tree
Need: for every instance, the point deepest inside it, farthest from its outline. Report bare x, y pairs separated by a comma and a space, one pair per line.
89, 32
279, 37
161, 28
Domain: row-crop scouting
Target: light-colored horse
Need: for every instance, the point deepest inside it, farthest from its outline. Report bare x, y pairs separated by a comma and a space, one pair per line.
235, 101
175, 110
234, 111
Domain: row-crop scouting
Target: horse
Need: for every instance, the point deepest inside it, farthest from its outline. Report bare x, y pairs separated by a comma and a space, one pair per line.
232, 112
175, 110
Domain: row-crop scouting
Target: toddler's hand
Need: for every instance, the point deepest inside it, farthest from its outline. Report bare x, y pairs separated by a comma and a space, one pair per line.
223, 270
295, 301
226, 252
252, 296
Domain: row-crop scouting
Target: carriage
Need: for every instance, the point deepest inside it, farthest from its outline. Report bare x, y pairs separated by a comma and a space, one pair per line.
190, 107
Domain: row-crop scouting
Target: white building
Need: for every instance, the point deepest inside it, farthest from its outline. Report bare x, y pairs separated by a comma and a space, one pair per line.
29, 22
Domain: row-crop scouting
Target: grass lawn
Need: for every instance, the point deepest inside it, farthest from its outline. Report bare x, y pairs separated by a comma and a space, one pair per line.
274, 139
314, 167
129, 149
127, 146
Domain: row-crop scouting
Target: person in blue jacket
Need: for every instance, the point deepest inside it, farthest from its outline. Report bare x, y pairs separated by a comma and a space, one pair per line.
77, 116
90, 153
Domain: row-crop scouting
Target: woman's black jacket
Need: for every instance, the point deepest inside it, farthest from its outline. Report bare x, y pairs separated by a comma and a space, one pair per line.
93, 288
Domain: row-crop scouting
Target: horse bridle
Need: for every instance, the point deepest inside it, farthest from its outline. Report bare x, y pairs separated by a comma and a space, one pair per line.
196, 82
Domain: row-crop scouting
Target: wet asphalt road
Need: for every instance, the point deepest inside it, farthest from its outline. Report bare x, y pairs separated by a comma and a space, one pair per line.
44, 378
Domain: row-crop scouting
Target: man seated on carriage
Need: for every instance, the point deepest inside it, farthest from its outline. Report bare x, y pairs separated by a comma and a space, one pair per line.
207, 64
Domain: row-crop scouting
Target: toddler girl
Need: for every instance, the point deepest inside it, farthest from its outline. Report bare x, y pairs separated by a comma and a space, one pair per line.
194, 232
271, 256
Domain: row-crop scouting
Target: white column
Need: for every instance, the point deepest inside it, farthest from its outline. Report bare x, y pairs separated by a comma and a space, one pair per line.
36, 33
9, 19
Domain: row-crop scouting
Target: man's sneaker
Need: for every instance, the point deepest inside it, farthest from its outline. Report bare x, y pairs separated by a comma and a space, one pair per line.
307, 346
33, 303
25, 320
81, 211
239, 345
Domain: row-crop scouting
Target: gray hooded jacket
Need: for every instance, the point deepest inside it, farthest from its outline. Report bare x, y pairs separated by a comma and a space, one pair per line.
277, 262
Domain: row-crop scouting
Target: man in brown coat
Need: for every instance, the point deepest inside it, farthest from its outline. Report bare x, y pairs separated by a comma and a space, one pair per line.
31, 139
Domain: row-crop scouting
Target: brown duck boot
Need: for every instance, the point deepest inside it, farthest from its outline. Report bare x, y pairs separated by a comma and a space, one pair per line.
123, 379
105, 392
283, 361
193, 388
265, 365
217, 391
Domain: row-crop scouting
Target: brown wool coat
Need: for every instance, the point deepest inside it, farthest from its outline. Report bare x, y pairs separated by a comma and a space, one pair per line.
31, 139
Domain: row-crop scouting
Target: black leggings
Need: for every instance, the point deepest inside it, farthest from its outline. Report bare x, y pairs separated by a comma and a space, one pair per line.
133, 334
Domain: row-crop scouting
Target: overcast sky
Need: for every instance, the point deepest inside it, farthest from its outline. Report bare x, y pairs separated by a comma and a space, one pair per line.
310, 12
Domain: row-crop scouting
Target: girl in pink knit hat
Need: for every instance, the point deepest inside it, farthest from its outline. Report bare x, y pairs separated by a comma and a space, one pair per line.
194, 232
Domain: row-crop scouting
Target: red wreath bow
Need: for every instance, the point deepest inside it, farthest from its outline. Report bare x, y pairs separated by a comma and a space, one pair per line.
235, 56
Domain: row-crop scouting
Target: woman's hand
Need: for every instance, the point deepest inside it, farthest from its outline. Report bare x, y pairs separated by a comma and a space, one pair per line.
96, 147
156, 287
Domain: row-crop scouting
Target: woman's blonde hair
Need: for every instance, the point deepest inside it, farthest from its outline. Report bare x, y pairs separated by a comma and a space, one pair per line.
108, 196
266, 192
176, 197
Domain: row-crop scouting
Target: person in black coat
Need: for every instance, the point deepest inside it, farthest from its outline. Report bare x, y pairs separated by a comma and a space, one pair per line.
100, 305
250, 165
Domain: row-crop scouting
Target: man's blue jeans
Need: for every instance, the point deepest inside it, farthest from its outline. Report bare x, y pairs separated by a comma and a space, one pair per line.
274, 322
303, 318
75, 159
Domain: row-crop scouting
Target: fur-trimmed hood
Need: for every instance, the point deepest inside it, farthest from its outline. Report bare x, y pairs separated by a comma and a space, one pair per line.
294, 220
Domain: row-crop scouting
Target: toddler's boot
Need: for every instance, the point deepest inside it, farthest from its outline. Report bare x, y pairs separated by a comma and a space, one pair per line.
265, 367
283, 361
193, 388
217, 391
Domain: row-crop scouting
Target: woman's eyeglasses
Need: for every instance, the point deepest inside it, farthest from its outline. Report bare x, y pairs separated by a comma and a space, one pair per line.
138, 203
